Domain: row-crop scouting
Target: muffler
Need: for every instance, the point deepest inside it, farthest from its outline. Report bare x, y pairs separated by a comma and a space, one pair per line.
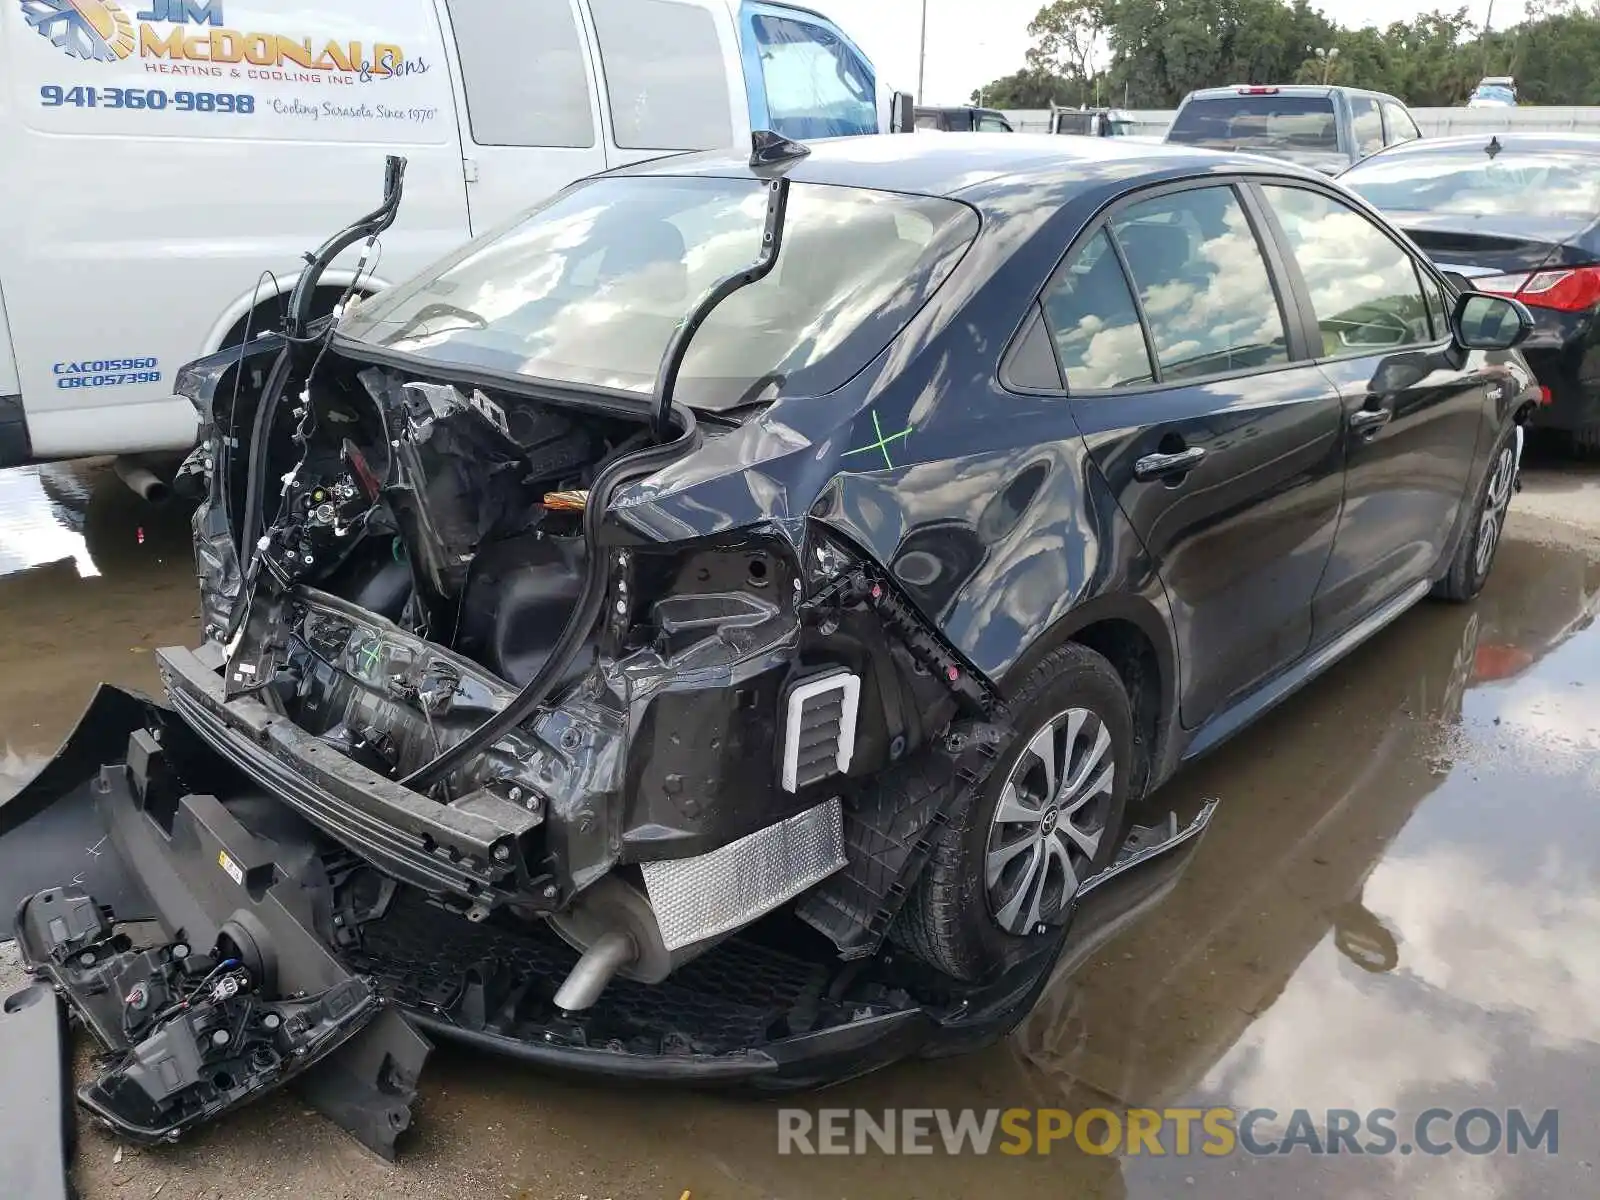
141, 480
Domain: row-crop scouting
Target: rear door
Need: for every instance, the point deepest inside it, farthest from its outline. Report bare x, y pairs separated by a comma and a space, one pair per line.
1412, 405
1185, 366
527, 102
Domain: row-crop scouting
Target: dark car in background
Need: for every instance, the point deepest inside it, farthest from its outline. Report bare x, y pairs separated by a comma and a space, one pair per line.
1519, 215
1326, 128
962, 119
617, 636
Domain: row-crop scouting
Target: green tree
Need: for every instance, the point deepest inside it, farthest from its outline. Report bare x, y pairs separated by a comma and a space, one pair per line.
1029, 88
1155, 51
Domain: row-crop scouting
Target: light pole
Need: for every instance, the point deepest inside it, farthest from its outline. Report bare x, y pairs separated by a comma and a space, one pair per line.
922, 54
1488, 28
1326, 58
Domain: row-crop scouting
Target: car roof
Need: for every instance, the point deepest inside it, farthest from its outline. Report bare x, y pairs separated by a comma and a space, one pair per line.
1586, 143
971, 166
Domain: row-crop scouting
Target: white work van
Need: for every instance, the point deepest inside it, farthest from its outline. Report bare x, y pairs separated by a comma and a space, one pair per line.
165, 164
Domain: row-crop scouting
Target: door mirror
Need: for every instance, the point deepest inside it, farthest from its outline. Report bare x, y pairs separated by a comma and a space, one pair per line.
903, 113
1487, 322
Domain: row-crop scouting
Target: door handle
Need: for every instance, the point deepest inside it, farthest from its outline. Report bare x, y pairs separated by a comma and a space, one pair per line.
1167, 466
1367, 421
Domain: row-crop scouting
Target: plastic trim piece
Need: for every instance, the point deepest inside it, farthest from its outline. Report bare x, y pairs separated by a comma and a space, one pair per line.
846, 683
35, 1112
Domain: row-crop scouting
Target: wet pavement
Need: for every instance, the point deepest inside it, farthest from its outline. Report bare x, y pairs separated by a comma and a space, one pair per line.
1398, 907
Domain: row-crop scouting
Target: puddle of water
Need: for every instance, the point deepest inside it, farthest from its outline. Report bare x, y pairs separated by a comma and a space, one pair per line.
92, 580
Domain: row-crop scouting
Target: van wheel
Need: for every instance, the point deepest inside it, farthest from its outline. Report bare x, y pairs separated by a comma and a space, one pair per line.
1475, 556
1050, 815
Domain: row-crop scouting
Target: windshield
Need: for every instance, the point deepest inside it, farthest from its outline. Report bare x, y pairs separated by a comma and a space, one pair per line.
1264, 122
1497, 92
588, 289
1471, 183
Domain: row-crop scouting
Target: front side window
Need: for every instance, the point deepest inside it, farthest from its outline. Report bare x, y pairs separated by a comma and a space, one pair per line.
1078, 123
1366, 125
990, 124
815, 84
1202, 283
1364, 288
1094, 322
522, 66
588, 288
665, 75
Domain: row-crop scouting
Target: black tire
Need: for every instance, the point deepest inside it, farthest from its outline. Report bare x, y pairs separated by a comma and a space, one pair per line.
1470, 568
951, 920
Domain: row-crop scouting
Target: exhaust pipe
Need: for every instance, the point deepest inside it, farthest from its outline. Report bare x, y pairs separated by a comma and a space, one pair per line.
597, 968
142, 481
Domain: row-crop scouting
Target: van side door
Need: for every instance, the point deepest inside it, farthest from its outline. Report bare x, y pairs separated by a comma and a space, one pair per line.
527, 101
671, 77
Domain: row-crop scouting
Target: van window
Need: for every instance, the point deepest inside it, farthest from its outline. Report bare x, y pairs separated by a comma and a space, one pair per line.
666, 79
522, 67
815, 84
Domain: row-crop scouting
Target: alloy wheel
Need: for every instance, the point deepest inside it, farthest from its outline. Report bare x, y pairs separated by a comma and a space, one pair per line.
1501, 485
1049, 822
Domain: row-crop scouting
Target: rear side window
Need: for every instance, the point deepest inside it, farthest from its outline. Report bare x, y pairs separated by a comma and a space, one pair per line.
665, 76
1258, 122
1366, 125
523, 69
815, 84
1203, 285
1364, 288
1401, 127
1094, 322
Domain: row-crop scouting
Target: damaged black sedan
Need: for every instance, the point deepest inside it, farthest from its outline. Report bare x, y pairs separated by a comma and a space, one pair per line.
726, 624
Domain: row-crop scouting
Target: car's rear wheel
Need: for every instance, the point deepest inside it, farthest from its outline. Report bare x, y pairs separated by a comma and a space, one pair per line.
1049, 816
1475, 556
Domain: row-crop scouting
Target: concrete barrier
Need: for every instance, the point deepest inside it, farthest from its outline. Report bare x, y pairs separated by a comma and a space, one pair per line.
1434, 122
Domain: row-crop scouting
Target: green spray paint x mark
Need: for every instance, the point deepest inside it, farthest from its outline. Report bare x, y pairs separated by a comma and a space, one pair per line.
883, 443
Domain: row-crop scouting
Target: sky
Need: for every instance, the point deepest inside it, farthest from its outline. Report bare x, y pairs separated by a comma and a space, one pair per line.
970, 44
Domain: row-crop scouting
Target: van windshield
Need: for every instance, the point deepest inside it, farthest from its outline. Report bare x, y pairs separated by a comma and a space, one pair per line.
1258, 121
588, 288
